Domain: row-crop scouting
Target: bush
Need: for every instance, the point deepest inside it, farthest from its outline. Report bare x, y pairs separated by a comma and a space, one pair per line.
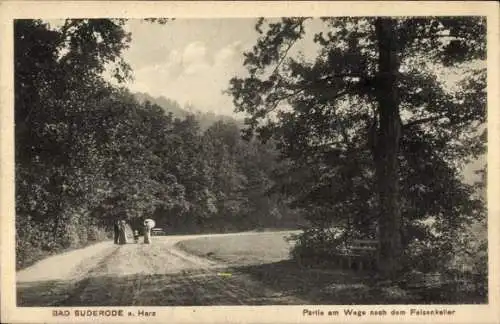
316, 245
35, 240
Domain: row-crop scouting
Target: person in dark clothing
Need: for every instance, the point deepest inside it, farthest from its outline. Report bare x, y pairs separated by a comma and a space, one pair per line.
116, 231
147, 234
122, 237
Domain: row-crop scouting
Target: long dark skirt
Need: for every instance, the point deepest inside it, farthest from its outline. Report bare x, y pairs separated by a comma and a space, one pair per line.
147, 235
122, 237
117, 233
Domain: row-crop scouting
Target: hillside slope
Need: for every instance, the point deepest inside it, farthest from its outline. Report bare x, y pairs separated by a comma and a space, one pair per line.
205, 119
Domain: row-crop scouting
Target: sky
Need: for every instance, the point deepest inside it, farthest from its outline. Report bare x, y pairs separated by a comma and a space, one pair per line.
191, 60
187, 60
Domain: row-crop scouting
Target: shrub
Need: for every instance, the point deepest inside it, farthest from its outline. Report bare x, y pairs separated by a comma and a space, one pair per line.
36, 240
316, 245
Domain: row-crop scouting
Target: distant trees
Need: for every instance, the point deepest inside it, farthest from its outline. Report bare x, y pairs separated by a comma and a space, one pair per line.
372, 133
88, 152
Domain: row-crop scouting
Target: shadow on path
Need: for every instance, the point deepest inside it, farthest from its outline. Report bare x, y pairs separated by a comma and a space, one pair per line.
328, 286
279, 283
193, 288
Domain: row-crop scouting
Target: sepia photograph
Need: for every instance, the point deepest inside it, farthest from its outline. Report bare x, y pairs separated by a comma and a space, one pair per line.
285, 160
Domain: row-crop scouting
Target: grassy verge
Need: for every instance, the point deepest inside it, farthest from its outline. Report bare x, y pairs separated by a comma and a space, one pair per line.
245, 249
265, 257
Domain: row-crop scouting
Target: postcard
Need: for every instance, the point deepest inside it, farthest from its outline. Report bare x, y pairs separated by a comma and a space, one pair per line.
249, 162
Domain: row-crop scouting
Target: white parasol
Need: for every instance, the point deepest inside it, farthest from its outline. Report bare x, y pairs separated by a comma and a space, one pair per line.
149, 223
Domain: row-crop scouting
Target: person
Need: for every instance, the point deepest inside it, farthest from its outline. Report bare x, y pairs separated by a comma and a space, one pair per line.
148, 225
136, 236
122, 237
116, 227
147, 235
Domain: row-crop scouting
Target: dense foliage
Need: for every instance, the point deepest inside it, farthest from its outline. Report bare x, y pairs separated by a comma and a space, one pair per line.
374, 136
88, 152
352, 161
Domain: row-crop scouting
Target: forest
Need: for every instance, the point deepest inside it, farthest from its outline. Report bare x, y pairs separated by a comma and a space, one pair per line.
88, 152
365, 141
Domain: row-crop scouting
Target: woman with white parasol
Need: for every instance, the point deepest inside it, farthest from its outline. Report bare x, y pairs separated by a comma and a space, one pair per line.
148, 225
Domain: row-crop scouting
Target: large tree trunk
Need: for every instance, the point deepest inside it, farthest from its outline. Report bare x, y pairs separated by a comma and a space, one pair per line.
386, 149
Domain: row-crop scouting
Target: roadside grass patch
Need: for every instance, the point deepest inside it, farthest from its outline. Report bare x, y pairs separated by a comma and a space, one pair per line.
243, 249
265, 257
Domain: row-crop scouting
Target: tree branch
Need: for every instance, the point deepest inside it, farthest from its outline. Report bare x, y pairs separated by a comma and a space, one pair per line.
339, 94
277, 101
284, 56
422, 121
453, 121
361, 76
438, 36
299, 24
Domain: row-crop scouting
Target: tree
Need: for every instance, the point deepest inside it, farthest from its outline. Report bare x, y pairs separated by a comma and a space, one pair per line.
84, 148
373, 86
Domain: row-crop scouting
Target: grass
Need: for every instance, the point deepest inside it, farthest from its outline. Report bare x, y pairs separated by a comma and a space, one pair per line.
246, 249
265, 257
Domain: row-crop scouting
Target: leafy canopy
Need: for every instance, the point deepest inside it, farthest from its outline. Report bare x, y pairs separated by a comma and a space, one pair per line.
322, 111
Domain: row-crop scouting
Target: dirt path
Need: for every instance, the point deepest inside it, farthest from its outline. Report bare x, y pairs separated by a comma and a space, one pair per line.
136, 274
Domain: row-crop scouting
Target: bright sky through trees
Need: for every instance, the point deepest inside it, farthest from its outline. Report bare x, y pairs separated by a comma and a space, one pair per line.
192, 60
